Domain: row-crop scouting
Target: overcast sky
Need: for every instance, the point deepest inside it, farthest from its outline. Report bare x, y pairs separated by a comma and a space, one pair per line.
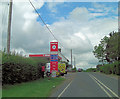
77, 25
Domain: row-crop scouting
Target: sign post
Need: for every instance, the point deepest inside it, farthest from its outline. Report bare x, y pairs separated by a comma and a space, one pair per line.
53, 58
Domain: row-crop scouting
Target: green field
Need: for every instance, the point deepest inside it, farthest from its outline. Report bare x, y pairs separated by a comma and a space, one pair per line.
38, 88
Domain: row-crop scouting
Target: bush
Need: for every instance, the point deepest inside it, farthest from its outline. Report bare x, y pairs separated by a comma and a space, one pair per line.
91, 70
98, 67
113, 68
74, 69
17, 69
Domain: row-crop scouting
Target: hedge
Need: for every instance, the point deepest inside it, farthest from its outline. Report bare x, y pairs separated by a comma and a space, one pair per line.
113, 68
17, 69
91, 70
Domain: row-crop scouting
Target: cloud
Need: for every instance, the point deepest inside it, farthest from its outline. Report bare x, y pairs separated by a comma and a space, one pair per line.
98, 14
97, 5
52, 6
83, 34
3, 22
102, 10
95, 10
26, 31
79, 14
77, 32
82, 58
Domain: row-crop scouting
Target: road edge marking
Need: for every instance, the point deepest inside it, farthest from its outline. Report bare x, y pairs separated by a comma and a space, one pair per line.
106, 87
64, 90
100, 86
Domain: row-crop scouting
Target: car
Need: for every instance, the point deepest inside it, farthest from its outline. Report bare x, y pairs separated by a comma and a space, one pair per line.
79, 70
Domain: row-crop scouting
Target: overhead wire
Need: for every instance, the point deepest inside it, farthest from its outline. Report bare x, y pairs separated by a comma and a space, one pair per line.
44, 22
47, 27
63, 56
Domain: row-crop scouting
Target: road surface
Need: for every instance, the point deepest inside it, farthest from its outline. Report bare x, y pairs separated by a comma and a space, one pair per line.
83, 84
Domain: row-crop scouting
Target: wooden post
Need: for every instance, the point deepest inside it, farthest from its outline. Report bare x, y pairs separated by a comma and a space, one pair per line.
9, 27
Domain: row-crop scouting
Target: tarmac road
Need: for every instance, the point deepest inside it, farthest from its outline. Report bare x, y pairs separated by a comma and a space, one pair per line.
83, 84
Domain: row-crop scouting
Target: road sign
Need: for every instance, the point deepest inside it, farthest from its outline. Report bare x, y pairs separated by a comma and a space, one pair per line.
53, 46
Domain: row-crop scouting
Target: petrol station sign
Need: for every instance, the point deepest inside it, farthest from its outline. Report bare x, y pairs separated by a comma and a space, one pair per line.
53, 57
53, 46
53, 66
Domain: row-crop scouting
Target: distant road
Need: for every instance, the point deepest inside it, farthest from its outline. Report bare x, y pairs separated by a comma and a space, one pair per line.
84, 84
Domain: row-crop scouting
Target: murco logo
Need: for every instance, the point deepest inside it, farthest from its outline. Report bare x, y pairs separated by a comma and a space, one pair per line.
54, 47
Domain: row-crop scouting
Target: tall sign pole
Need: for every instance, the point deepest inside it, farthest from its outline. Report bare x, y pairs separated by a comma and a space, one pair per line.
9, 27
53, 58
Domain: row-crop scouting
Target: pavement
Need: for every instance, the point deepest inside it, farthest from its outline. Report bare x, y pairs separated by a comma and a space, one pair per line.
83, 84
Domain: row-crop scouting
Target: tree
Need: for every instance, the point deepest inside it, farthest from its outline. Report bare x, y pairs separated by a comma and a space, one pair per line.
99, 51
112, 48
108, 49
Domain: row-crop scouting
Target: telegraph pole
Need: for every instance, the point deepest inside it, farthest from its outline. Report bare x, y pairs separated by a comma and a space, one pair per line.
119, 17
9, 27
74, 62
71, 57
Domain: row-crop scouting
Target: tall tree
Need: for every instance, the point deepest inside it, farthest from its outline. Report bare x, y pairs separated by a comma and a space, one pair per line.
99, 51
112, 47
108, 49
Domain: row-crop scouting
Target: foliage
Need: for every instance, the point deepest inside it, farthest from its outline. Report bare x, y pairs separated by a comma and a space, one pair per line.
74, 69
91, 70
112, 47
17, 69
113, 68
108, 52
108, 49
99, 51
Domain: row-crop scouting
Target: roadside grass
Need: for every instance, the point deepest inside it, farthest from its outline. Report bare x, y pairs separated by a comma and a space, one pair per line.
38, 88
110, 75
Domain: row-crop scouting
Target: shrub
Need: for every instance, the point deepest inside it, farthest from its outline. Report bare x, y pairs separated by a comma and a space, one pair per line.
74, 69
91, 70
17, 69
113, 68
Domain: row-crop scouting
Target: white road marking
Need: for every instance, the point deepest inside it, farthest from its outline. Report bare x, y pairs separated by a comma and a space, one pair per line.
106, 87
101, 86
64, 89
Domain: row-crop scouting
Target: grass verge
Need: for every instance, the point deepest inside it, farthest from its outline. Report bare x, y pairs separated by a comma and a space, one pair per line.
38, 88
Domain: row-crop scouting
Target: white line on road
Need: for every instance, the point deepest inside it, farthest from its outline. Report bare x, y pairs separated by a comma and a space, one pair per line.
101, 86
106, 87
64, 89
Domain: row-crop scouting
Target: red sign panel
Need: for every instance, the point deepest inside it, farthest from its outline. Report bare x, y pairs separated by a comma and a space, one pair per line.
40, 55
53, 66
53, 46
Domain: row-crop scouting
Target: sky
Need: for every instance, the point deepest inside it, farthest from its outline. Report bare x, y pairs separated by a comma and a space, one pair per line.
77, 25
